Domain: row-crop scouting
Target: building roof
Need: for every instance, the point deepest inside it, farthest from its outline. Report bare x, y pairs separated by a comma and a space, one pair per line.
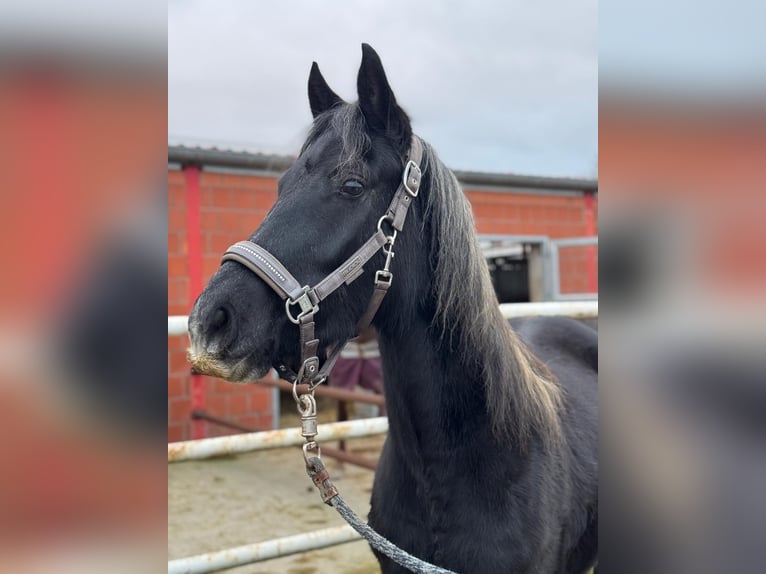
215, 157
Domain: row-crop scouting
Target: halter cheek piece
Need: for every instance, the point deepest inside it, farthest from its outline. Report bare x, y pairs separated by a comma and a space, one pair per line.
302, 302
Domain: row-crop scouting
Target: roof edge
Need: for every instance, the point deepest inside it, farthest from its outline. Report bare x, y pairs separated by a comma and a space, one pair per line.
277, 163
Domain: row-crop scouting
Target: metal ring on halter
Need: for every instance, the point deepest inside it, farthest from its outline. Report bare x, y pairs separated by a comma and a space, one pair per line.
309, 446
295, 393
390, 218
310, 393
315, 384
298, 377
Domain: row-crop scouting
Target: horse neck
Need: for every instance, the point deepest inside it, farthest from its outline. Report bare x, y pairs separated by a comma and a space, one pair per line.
435, 401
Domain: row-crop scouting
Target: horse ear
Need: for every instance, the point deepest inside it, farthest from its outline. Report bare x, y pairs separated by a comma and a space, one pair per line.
321, 96
377, 102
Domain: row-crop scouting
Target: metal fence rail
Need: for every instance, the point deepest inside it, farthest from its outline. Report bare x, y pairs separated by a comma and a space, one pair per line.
249, 442
573, 309
177, 325
261, 551
576, 309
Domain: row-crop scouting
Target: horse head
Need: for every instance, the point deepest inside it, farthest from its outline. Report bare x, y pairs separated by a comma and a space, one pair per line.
330, 201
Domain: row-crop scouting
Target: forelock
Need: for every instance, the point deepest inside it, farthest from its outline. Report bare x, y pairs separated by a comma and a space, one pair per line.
347, 123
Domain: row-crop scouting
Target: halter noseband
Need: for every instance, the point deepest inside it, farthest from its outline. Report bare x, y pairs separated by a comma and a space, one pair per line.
302, 302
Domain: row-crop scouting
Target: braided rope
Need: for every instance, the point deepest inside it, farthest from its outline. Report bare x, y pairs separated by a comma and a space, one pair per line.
321, 479
382, 545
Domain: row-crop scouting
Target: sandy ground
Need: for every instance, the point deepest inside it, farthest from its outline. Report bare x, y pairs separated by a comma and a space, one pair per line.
231, 501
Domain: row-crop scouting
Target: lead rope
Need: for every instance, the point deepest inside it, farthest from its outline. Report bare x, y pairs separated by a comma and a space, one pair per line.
319, 475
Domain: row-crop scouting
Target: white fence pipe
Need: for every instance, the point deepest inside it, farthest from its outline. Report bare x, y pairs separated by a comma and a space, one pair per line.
573, 309
248, 442
261, 551
177, 324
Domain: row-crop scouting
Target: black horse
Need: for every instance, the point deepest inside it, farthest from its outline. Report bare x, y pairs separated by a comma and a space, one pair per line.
490, 464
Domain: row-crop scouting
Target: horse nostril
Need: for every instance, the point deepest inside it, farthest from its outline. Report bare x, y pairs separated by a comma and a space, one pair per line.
220, 318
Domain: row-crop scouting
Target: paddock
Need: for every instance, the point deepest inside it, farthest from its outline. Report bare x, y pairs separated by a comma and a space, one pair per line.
243, 502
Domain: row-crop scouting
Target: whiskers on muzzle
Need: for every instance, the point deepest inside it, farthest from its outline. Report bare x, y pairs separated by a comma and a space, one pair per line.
204, 363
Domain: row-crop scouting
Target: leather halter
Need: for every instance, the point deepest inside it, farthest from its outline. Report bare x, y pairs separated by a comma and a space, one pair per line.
306, 299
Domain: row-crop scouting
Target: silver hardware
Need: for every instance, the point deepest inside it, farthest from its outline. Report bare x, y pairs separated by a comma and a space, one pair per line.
309, 446
306, 306
416, 175
383, 277
316, 383
295, 394
389, 255
307, 408
386, 217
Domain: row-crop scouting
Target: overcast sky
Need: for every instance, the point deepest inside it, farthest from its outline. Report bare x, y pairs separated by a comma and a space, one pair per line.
493, 86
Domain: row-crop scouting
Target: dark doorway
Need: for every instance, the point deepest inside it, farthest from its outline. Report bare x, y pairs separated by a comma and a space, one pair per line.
510, 277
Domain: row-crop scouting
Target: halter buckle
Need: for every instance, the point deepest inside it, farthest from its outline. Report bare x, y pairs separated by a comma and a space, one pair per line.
307, 307
411, 178
383, 277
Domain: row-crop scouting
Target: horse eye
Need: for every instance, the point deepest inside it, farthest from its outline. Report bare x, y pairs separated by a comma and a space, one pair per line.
352, 188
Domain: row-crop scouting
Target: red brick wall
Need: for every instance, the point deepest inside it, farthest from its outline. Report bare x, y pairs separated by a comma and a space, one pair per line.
233, 205
557, 216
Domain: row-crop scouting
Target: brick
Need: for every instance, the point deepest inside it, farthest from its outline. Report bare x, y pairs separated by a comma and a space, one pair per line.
210, 179
508, 212
485, 210
249, 421
176, 219
229, 220
244, 224
206, 196
216, 404
221, 386
175, 177
222, 198
178, 342
574, 215
176, 432
174, 243
179, 410
245, 199
239, 404
526, 213
178, 387
178, 308
177, 195
218, 430
177, 363
178, 290
173, 295
210, 264
216, 243
209, 220
234, 180
260, 401
177, 266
